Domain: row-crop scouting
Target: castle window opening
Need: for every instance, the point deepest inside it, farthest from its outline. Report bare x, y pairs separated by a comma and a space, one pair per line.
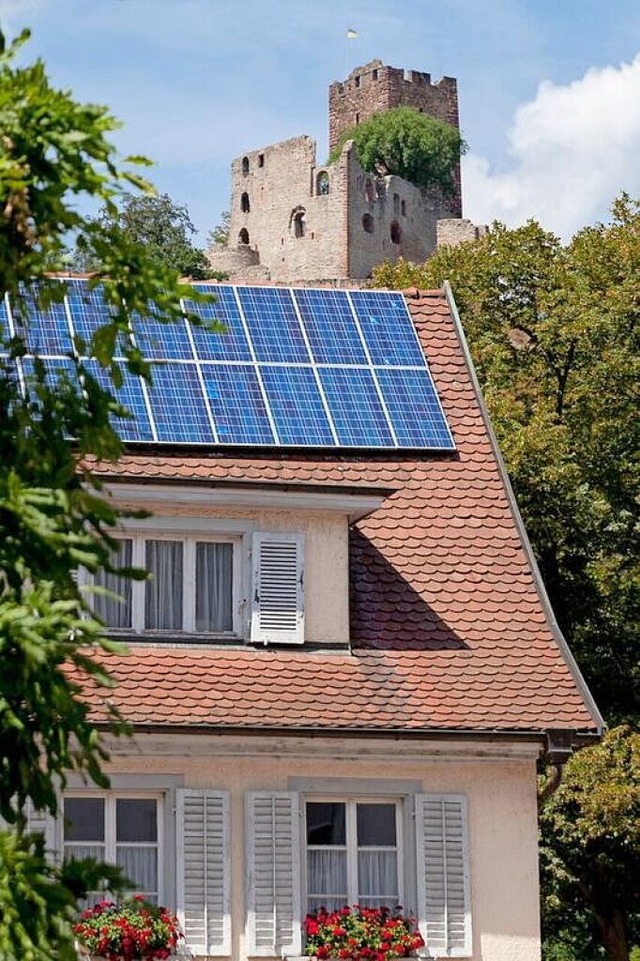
322, 183
243, 236
245, 206
395, 232
396, 204
297, 222
403, 208
261, 160
357, 81
357, 118
367, 223
374, 74
369, 192
245, 166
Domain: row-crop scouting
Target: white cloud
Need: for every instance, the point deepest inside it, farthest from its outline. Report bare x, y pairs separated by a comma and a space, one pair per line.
573, 149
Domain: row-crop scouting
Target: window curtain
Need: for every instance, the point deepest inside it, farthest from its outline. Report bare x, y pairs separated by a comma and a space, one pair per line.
214, 583
163, 593
115, 611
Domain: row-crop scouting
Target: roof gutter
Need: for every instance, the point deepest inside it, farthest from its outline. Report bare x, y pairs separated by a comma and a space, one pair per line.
526, 543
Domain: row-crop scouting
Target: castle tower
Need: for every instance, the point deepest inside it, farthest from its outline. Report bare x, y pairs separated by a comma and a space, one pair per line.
376, 88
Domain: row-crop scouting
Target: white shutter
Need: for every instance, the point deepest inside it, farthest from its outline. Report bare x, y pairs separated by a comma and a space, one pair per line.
203, 868
41, 822
277, 614
444, 910
273, 878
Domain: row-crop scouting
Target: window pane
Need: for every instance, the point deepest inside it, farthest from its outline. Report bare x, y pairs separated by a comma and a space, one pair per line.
115, 611
163, 594
378, 876
376, 825
327, 874
136, 819
326, 823
84, 819
214, 581
140, 864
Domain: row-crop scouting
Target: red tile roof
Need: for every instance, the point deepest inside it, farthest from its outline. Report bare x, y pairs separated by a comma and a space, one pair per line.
448, 630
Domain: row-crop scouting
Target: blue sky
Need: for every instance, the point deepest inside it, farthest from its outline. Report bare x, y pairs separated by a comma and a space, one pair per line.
549, 89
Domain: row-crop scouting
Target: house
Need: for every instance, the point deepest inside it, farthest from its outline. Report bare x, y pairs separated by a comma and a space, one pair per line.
353, 708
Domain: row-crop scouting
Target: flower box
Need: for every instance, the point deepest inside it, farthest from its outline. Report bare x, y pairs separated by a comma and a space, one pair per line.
361, 934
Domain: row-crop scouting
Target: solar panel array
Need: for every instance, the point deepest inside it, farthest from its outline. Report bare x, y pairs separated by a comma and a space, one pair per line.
292, 368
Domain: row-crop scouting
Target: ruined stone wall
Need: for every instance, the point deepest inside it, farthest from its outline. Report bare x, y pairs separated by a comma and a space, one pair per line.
388, 218
293, 211
374, 88
451, 232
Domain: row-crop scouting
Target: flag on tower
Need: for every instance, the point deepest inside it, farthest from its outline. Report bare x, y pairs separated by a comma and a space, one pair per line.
351, 34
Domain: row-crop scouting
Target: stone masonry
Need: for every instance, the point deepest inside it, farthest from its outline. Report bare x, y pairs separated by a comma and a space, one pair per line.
294, 220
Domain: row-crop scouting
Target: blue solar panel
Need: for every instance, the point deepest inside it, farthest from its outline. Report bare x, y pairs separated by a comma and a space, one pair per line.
331, 328
237, 405
230, 344
273, 325
304, 368
414, 409
162, 341
178, 405
88, 310
56, 367
44, 331
355, 406
296, 404
5, 330
387, 328
131, 396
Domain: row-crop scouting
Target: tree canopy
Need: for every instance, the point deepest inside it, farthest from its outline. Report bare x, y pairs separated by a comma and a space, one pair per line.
407, 143
54, 156
152, 221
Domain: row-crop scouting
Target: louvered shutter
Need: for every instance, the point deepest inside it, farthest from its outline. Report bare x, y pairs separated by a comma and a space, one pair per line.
277, 615
273, 878
203, 869
41, 822
443, 874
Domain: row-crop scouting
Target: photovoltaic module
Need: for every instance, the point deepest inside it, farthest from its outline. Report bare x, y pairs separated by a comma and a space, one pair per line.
293, 367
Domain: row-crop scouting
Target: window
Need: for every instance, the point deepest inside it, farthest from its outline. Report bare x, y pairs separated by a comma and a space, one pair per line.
121, 829
395, 233
352, 853
322, 183
200, 584
191, 587
243, 236
245, 166
261, 160
245, 205
367, 223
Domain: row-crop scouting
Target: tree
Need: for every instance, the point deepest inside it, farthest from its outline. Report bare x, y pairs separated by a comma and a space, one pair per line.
591, 844
155, 222
54, 152
407, 143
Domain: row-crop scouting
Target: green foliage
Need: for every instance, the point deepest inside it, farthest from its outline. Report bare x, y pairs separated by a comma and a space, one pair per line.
554, 335
407, 143
591, 841
54, 156
162, 227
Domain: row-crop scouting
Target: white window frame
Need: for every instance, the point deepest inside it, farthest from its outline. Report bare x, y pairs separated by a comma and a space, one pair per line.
188, 536
351, 840
110, 842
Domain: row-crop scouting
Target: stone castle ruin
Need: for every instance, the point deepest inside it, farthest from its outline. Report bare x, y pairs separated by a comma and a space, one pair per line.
292, 219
